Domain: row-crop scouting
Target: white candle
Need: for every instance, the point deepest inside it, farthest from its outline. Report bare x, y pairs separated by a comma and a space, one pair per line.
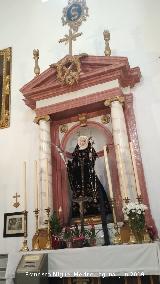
36, 184
135, 169
47, 185
25, 189
108, 172
122, 173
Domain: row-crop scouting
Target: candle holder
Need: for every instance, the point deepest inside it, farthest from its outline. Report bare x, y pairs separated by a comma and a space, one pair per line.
126, 200
139, 198
117, 237
36, 242
146, 237
25, 245
48, 245
132, 238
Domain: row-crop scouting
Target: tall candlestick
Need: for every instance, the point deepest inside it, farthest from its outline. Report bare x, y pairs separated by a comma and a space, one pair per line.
108, 172
36, 184
47, 185
122, 173
25, 189
135, 169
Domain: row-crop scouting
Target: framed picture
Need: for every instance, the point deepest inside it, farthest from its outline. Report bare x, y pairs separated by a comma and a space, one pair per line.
5, 83
14, 224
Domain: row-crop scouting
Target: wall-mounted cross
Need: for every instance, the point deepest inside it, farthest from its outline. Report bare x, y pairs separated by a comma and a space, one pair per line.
16, 204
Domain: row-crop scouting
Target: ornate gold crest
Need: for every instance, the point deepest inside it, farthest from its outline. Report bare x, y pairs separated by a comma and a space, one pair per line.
75, 13
82, 119
64, 128
105, 119
68, 70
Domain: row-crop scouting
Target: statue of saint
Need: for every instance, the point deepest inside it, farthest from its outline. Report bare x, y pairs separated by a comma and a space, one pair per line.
84, 182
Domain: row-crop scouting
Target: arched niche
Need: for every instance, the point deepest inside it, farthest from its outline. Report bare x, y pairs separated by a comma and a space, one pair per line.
101, 136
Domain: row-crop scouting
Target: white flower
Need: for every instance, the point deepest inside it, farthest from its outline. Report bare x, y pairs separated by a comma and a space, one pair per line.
134, 207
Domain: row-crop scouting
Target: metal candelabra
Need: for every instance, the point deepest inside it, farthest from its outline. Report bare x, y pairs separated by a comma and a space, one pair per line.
48, 245
36, 243
25, 245
117, 237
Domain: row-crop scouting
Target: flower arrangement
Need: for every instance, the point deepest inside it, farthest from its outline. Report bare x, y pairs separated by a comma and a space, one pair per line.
79, 238
134, 208
68, 233
136, 214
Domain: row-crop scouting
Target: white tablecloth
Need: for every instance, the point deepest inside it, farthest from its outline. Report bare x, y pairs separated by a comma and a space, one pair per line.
121, 260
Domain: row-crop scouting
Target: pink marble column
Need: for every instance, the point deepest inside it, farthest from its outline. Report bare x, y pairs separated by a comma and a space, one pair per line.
120, 137
133, 137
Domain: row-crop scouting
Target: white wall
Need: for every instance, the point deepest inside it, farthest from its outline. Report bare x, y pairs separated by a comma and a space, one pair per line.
25, 25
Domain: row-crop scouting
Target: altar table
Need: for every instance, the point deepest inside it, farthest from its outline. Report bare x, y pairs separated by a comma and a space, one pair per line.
104, 261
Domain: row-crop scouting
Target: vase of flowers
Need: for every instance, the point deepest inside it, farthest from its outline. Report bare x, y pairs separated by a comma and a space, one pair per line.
67, 236
135, 213
78, 237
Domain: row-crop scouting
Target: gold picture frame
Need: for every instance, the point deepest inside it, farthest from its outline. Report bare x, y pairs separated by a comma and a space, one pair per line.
5, 89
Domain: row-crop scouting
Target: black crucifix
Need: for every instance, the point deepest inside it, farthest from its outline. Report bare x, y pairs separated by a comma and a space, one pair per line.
68, 39
16, 204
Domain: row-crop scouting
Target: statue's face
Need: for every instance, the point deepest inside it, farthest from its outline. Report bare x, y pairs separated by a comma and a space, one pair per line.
83, 142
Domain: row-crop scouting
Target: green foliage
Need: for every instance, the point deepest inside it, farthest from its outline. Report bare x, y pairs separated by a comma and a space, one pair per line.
92, 232
68, 234
137, 222
55, 225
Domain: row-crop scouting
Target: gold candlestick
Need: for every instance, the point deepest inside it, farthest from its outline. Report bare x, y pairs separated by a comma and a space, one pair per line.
113, 210
25, 245
126, 200
132, 238
36, 243
117, 237
146, 237
36, 58
36, 211
48, 245
139, 198
106, 35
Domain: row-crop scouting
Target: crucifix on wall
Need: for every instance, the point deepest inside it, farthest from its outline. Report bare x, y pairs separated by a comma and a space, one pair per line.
16, 203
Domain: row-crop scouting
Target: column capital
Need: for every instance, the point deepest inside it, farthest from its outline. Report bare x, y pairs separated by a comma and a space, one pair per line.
44, 117
119, 99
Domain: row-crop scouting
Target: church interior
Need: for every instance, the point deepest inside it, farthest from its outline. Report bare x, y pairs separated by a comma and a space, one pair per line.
79, 142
